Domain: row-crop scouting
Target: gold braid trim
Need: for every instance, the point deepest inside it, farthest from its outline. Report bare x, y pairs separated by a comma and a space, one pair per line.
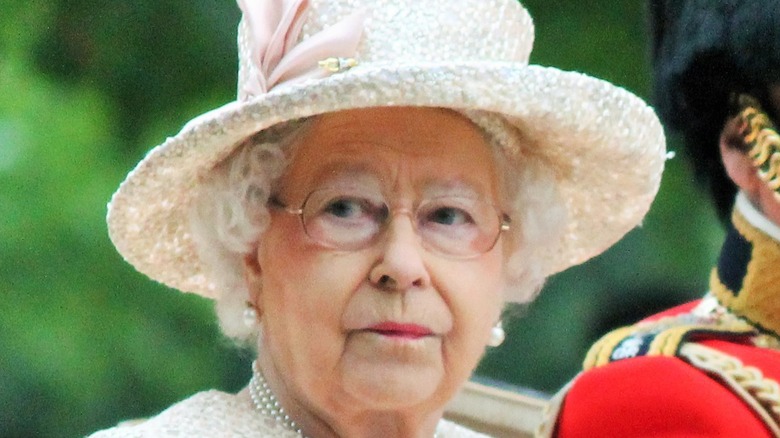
668, 342
760, 134
760, 393
662, 337
759, 299
601, 351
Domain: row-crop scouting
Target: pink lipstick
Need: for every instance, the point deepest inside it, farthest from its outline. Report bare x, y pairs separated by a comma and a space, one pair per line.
399, 330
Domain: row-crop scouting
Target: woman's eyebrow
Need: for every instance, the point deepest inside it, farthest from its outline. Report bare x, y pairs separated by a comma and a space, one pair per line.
351, 174
456, 187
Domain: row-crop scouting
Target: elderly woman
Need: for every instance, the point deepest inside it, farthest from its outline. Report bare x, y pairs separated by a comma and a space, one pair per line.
390, 176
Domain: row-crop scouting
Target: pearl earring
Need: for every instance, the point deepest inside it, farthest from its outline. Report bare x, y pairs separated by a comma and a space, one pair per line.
497, 335
250, 315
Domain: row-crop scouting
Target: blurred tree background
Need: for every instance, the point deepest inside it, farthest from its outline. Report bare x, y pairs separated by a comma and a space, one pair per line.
87, 87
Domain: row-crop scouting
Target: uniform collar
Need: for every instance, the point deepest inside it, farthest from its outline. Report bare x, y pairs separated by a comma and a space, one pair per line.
755, 217
747, 278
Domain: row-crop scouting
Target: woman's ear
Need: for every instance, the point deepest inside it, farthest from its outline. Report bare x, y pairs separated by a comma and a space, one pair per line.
736, 161
253, 278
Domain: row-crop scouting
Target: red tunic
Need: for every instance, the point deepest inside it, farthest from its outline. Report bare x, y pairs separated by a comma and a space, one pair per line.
705, 369
665, 396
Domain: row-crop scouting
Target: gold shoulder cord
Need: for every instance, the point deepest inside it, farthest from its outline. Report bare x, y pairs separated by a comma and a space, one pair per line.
748, 383
760, 134
760, 393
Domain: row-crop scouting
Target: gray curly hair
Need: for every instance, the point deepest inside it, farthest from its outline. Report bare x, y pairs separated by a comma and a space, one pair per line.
230, 211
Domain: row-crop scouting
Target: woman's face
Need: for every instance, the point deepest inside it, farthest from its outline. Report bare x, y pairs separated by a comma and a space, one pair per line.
389, 326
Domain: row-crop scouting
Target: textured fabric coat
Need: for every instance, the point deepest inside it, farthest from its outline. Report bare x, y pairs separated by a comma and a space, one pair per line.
215, 414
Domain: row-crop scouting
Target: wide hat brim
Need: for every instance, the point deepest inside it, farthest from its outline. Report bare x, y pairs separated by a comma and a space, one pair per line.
606, 145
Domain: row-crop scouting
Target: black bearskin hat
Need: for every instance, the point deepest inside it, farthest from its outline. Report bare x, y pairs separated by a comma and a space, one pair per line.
702, 52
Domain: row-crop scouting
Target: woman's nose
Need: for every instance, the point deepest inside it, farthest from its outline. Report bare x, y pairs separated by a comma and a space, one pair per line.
400, 265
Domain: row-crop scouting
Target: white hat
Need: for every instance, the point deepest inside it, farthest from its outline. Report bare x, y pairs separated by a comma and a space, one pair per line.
301, 58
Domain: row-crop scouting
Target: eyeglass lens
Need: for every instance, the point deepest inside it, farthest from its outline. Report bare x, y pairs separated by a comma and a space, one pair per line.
349, 219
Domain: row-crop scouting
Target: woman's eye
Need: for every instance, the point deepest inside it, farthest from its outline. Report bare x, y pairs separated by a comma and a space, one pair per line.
345, 207
449, 216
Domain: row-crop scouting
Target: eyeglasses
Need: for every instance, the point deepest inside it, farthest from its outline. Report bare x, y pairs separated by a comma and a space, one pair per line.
349, 219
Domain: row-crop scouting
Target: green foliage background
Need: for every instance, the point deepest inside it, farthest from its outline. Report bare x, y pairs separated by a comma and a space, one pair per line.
87, 87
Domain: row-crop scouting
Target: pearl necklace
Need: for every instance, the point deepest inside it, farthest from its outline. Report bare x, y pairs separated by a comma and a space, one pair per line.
265, 401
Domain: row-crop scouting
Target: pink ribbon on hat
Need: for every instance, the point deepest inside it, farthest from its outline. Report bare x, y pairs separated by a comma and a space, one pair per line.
275, 26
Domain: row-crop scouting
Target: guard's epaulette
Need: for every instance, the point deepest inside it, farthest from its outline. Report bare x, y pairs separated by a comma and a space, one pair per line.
663, 337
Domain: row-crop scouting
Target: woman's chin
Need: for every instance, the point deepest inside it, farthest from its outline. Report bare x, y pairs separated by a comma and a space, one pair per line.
391, 373
392, 387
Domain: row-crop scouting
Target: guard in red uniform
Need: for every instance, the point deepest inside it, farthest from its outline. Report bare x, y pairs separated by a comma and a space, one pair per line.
709, 368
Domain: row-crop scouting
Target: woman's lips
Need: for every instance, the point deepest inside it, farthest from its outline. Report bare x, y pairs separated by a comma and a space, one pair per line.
400, 330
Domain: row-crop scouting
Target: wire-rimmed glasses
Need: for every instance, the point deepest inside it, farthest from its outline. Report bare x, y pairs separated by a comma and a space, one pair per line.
350, 219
